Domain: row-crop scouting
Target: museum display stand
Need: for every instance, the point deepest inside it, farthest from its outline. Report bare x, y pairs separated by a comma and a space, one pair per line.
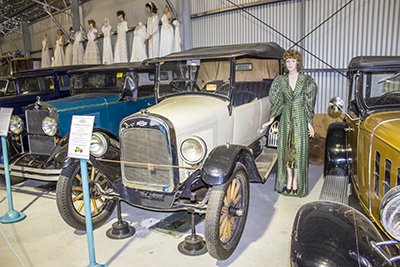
193, 244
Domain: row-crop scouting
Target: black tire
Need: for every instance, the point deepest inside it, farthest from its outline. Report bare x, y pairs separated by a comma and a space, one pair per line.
13, 179
221, 213
69, 195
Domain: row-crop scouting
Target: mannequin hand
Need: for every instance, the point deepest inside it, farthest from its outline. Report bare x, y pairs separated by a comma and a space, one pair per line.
265, 125
310, 130
145, 41
149, 37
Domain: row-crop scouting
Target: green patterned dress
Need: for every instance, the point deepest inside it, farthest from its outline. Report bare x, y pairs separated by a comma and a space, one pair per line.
296, 109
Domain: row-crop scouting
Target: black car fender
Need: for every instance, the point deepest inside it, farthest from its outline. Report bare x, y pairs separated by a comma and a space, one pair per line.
221, 162
335, 150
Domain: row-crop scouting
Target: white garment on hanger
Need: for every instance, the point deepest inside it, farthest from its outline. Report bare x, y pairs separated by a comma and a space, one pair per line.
153, 30
46, 60
121, 52
166, 37
78, 50
92, 53
59, 52
138, 46
107, 47
177, 37
69, 52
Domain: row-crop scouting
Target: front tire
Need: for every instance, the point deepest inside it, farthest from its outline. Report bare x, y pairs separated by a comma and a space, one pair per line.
226, 214
69, 195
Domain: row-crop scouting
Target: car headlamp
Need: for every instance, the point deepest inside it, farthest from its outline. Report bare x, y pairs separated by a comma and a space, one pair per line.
16, 124
98, 145
193, 150
390, 212
49, 126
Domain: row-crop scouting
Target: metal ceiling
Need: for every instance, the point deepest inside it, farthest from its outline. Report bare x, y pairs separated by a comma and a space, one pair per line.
13, 12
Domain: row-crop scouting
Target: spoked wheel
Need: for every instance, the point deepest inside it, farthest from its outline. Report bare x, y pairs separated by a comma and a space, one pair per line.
226, 214
70, 202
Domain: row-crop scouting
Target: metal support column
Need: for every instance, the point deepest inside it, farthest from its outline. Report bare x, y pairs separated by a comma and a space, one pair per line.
75, 15
9, 39
25, 38
57, 23
186, 24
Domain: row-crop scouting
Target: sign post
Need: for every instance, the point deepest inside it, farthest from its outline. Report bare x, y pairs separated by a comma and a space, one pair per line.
79, 147
11, 215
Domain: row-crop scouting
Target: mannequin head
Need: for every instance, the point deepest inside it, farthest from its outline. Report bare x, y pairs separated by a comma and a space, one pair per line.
140, 23
151, 7
288, 58
71, 30
59, 32
106, 21
121, 14
44, 35
92, 23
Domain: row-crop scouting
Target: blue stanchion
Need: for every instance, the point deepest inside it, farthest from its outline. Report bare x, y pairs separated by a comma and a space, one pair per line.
88, 215
11, 215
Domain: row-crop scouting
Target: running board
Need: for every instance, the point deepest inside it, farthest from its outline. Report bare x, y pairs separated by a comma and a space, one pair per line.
265, 162
336, 188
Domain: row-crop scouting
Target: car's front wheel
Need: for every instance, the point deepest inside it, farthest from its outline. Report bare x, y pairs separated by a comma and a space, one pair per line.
70, 202
226, 214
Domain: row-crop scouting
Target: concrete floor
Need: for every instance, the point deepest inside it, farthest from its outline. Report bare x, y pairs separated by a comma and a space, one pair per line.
44, 239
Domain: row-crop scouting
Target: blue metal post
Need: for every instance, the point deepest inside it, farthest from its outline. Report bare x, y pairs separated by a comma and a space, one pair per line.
88, 214
12, 215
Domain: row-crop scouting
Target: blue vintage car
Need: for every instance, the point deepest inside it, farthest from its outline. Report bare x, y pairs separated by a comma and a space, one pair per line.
109, 93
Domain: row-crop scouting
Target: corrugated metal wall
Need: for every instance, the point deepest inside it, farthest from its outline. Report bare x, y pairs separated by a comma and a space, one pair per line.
363, 27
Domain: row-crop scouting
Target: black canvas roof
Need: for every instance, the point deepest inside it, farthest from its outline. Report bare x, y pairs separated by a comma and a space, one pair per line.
133, 66
265, 50
374, 62
48, 71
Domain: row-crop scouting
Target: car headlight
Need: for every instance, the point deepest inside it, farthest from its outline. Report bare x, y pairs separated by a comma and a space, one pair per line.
16, 124
98, 144
49, 126
193, 150
390, 212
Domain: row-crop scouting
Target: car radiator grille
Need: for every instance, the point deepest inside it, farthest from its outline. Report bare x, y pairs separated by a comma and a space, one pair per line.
38, 144
149, 146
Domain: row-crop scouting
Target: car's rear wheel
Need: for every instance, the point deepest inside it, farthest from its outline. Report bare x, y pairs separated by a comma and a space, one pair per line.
70, 201
226, 214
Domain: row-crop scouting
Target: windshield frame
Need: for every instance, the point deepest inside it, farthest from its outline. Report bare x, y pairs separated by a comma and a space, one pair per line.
110, 89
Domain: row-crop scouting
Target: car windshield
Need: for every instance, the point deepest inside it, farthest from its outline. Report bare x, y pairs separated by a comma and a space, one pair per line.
381, 89
97, 81
3, 85
34, 84
195, 76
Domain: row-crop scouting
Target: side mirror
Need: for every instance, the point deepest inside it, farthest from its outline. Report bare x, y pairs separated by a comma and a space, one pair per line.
130, 88
336, 105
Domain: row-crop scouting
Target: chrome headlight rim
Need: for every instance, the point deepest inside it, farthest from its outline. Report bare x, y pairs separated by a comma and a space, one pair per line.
200, 144
99, 144
49, 126
16, 124
389, 212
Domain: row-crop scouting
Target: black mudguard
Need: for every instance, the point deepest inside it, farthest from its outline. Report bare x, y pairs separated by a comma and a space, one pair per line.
335, 150
221, 162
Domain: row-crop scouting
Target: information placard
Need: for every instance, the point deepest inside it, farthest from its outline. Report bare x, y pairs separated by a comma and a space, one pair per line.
5, 116
80, 136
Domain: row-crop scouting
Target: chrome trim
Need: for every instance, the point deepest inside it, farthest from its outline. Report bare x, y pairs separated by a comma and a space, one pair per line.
33, 173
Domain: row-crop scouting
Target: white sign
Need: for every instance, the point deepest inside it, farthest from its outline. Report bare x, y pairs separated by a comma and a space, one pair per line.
80, 137
5, 115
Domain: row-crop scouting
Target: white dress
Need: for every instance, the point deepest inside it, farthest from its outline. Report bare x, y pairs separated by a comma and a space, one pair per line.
107, 47
177, 37
92, 53
121, 51
78, 50
166, 37
46, 61
153, 30
59, 52
138, 46
68, 53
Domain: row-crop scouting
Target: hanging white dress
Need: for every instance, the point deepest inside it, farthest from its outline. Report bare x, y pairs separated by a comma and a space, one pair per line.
121, 51
107, 47
166, 37
153, 30
78, 50
92, 53
177, 37
46, 60
68, 52
138, 46
59, 52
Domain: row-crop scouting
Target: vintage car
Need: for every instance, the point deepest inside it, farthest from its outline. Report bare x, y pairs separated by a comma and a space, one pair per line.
7, 86
362, 157
197, 149
109, 93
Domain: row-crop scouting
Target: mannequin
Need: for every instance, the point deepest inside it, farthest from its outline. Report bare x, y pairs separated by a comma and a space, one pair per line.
92, 53
167, 34
68, 50
78, 50
59, 49
121, 51
107, 47
138, 46
177, 37
152, 30
46, 60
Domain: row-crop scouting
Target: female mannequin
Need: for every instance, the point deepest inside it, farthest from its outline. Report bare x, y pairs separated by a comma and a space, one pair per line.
293, 98
107, 47
78, 50
46, 61
68, 50
177, 37
167, 34
152, 30
138, 46
59, 49
121, 52
92, 53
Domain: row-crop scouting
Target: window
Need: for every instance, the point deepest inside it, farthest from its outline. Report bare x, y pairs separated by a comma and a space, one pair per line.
388, 168
376, 172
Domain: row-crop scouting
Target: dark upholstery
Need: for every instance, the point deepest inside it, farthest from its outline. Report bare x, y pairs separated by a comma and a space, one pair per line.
145, 90
245, 92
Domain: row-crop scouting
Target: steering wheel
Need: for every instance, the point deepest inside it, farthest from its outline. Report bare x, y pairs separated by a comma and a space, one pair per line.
85, 85
383, 96
188, 83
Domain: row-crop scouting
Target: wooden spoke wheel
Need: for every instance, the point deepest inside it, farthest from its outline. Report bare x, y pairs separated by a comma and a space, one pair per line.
226, 214
70, 202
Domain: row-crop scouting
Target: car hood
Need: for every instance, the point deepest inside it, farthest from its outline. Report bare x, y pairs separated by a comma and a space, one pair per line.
385, 126
84, 100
